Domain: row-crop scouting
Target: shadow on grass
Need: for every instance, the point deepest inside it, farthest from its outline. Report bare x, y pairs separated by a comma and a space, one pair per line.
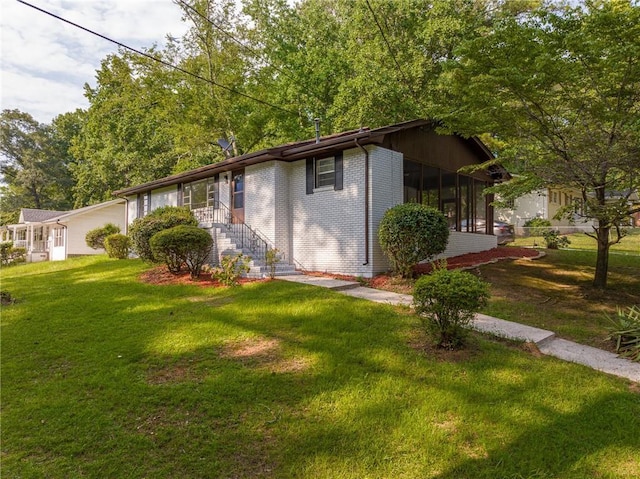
115, 378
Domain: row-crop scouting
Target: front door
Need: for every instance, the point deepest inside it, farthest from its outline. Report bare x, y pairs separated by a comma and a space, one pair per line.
237, 195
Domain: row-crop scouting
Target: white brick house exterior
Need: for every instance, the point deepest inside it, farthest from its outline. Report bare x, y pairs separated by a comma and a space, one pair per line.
332, 227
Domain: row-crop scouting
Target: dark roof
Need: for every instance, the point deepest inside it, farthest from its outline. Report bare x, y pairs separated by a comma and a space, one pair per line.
326, 146
32, 215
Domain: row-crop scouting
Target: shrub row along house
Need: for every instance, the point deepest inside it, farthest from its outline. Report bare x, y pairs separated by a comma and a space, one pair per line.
320, 201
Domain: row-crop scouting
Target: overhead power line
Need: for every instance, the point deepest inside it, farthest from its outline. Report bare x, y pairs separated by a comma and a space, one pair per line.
258, 54
160, 60
391, 52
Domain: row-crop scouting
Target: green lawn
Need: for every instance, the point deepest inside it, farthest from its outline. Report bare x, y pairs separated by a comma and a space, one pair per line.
104, 376
629, 243
555, 293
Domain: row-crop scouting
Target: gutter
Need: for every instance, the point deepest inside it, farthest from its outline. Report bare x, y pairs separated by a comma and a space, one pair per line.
366, 201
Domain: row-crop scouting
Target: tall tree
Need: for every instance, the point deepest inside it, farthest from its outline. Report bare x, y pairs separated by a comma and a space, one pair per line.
33, 170
127, 136
561, 88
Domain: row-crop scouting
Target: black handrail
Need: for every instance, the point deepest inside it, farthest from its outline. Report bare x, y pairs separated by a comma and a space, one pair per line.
244, 236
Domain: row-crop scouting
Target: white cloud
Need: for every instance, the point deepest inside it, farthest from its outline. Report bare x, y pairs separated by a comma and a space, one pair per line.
46, 62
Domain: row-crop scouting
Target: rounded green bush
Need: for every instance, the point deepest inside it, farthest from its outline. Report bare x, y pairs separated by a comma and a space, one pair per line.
447, 301
180, 245
117, 246
410, 233
537, 226
142, 229
95, 238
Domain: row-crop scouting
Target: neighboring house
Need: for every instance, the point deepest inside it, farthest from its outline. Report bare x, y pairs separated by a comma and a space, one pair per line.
545, 204
58, 235
320, 201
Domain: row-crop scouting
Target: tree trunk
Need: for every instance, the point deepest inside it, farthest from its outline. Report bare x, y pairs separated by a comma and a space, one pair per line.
602, 260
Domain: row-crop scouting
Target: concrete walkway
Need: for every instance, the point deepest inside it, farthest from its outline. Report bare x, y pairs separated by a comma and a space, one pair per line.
546, 341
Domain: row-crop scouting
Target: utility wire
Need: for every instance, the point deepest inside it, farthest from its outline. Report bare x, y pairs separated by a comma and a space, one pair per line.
159, 60
247, 48
391, 52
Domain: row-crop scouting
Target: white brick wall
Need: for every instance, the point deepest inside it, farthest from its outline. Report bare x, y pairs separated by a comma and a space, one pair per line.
132, 210
328, 225
259, 195
267, 203
386, 188
462, 243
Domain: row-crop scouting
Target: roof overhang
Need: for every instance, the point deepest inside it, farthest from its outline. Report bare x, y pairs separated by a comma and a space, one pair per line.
325, 146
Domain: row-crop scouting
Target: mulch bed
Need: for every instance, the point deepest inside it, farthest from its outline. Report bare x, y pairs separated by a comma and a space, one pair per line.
472, 260
160, 275
395, 284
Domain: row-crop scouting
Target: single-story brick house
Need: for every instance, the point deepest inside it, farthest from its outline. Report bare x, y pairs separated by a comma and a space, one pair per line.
320, 201
58, 235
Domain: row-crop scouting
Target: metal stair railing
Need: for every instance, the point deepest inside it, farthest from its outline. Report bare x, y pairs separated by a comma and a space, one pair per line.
245, 237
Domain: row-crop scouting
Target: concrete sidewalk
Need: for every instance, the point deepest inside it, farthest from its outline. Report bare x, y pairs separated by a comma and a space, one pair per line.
546, 341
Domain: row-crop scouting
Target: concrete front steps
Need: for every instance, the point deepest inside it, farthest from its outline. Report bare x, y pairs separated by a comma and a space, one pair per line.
225, 244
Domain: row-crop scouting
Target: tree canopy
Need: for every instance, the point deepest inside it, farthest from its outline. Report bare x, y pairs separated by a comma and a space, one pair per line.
560, 89
553, 86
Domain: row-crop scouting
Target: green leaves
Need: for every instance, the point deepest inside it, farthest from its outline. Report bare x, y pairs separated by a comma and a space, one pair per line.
625, 331
410, 233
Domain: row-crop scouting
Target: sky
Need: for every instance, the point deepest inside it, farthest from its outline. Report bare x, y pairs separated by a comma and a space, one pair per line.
45, 63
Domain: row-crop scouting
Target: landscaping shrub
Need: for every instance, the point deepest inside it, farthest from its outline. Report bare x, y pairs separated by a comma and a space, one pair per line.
10, 254
554, 240
446, 301
142, 229
272, 258
95, 238
231, 269
188, 245
410, 233
537, 226
117, 246
625, 331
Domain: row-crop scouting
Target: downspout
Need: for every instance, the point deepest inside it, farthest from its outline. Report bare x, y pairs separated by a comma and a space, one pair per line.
126, 216
66, 239
366, 202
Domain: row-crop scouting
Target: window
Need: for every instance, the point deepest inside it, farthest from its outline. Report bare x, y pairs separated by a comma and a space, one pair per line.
143, 204
58, 237
431, 186
325, 172
480, 207
450, 199
465, 185
411, 181
461, 198
199, 194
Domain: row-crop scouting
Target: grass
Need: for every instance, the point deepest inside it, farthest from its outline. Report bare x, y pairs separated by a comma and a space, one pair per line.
630, 243
555, 293
104, 376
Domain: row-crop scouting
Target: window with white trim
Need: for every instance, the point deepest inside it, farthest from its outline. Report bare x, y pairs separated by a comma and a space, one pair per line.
58, 237
199, 194
325, 172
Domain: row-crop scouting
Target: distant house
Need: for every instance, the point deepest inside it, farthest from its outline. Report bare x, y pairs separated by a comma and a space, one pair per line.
320, 201
545, 203
58, 235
